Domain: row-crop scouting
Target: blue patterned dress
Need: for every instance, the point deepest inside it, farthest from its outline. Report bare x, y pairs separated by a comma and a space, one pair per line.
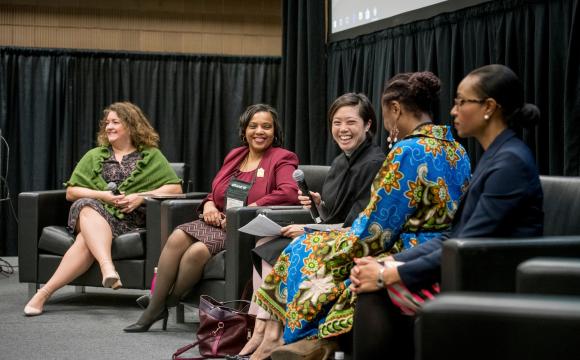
413, 199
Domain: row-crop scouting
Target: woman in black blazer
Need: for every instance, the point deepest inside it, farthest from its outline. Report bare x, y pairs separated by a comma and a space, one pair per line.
504, 200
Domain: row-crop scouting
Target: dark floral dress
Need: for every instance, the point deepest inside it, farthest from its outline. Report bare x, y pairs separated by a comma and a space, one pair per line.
116, 172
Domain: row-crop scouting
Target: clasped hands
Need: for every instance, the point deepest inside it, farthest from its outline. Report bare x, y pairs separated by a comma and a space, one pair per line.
126, 203
363, 275
212, 216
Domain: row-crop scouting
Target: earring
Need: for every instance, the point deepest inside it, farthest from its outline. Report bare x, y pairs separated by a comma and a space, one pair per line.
393, 137
486, 117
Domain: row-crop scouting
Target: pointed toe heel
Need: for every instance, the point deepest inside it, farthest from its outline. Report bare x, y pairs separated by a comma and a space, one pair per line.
33, 311
144, 327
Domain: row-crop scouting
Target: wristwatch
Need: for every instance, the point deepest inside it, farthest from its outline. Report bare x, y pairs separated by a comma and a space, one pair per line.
380, 281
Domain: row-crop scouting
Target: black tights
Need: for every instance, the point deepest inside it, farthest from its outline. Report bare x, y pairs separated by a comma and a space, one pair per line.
380, 328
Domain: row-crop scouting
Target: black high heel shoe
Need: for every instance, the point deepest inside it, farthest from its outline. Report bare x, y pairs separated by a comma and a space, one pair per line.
138, 327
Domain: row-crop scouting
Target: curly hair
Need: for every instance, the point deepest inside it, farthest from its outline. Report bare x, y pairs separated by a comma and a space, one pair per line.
418, 91
142, 133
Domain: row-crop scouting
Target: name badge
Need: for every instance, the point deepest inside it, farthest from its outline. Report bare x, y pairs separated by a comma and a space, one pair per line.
237, 193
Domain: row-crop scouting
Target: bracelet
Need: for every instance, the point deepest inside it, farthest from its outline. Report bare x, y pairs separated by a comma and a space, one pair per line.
380, 280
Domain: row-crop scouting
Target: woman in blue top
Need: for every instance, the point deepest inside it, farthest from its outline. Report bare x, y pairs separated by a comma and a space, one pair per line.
413, 199
504, 200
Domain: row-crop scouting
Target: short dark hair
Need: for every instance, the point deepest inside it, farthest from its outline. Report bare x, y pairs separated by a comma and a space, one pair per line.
249, 113
500, 83
365, 109
417, 91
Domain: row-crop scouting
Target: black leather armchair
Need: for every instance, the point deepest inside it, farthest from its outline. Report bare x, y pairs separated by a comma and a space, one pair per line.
490, 264
43, 240
541, 321
498, 326
227, 273
549, 276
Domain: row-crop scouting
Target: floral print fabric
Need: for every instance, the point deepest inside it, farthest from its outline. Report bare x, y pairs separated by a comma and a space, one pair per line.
413, 199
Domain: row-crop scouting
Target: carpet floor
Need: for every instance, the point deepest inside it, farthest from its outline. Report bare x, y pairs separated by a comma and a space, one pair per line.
84, 326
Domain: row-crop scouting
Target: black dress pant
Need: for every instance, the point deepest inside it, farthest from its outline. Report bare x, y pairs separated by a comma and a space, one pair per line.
380, 330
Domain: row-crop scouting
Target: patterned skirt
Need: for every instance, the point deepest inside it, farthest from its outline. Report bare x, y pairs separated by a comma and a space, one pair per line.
213, 237
132, 221
308, 288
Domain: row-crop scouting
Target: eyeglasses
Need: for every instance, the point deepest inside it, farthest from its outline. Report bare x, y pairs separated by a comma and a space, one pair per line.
460, 102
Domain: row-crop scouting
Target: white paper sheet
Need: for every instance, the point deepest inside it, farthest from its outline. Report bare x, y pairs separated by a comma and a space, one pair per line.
261, 225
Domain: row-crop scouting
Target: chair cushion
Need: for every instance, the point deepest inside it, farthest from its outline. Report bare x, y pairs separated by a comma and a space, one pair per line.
57, 240
215, 267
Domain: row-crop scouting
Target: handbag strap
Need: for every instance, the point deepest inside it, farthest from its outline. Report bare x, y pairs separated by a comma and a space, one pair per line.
215, 302
194, 344
184, 349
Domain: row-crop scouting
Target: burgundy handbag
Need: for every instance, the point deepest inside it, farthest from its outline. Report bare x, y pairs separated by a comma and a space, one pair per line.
222, 330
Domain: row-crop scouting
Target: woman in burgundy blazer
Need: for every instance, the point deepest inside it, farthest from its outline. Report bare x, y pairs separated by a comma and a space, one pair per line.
262, 163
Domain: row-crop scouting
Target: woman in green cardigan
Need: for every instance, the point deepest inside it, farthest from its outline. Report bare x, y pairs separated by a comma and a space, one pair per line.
106, 186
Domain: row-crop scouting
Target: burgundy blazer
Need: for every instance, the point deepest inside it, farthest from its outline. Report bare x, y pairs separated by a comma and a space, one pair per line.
276, 187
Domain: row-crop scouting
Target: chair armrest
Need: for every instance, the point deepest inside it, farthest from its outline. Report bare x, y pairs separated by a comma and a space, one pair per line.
498, 326
195, 195
238, 249
162, 218
174, 213
490, 264
153, 237
556, 276
36, 210
287, 216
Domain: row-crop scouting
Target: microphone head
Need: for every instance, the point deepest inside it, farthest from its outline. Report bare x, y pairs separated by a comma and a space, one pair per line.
111, 186
298, 175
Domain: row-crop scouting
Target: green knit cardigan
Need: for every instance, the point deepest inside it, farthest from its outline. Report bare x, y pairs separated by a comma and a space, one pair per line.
150, 173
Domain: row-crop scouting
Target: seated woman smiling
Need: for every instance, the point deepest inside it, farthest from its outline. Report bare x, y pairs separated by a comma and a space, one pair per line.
261, 172
128, 156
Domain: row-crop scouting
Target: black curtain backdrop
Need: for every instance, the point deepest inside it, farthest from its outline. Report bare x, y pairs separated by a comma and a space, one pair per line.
304, 68
534, 38
51, 102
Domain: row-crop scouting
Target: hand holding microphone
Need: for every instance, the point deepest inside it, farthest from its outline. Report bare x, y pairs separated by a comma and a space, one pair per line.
112, 187
305, 199
298, 176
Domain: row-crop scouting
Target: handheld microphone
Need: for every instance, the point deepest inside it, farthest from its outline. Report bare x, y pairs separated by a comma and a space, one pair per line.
112, 187
298, 176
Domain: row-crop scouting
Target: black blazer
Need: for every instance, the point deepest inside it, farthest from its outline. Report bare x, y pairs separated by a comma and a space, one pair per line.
504, 200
